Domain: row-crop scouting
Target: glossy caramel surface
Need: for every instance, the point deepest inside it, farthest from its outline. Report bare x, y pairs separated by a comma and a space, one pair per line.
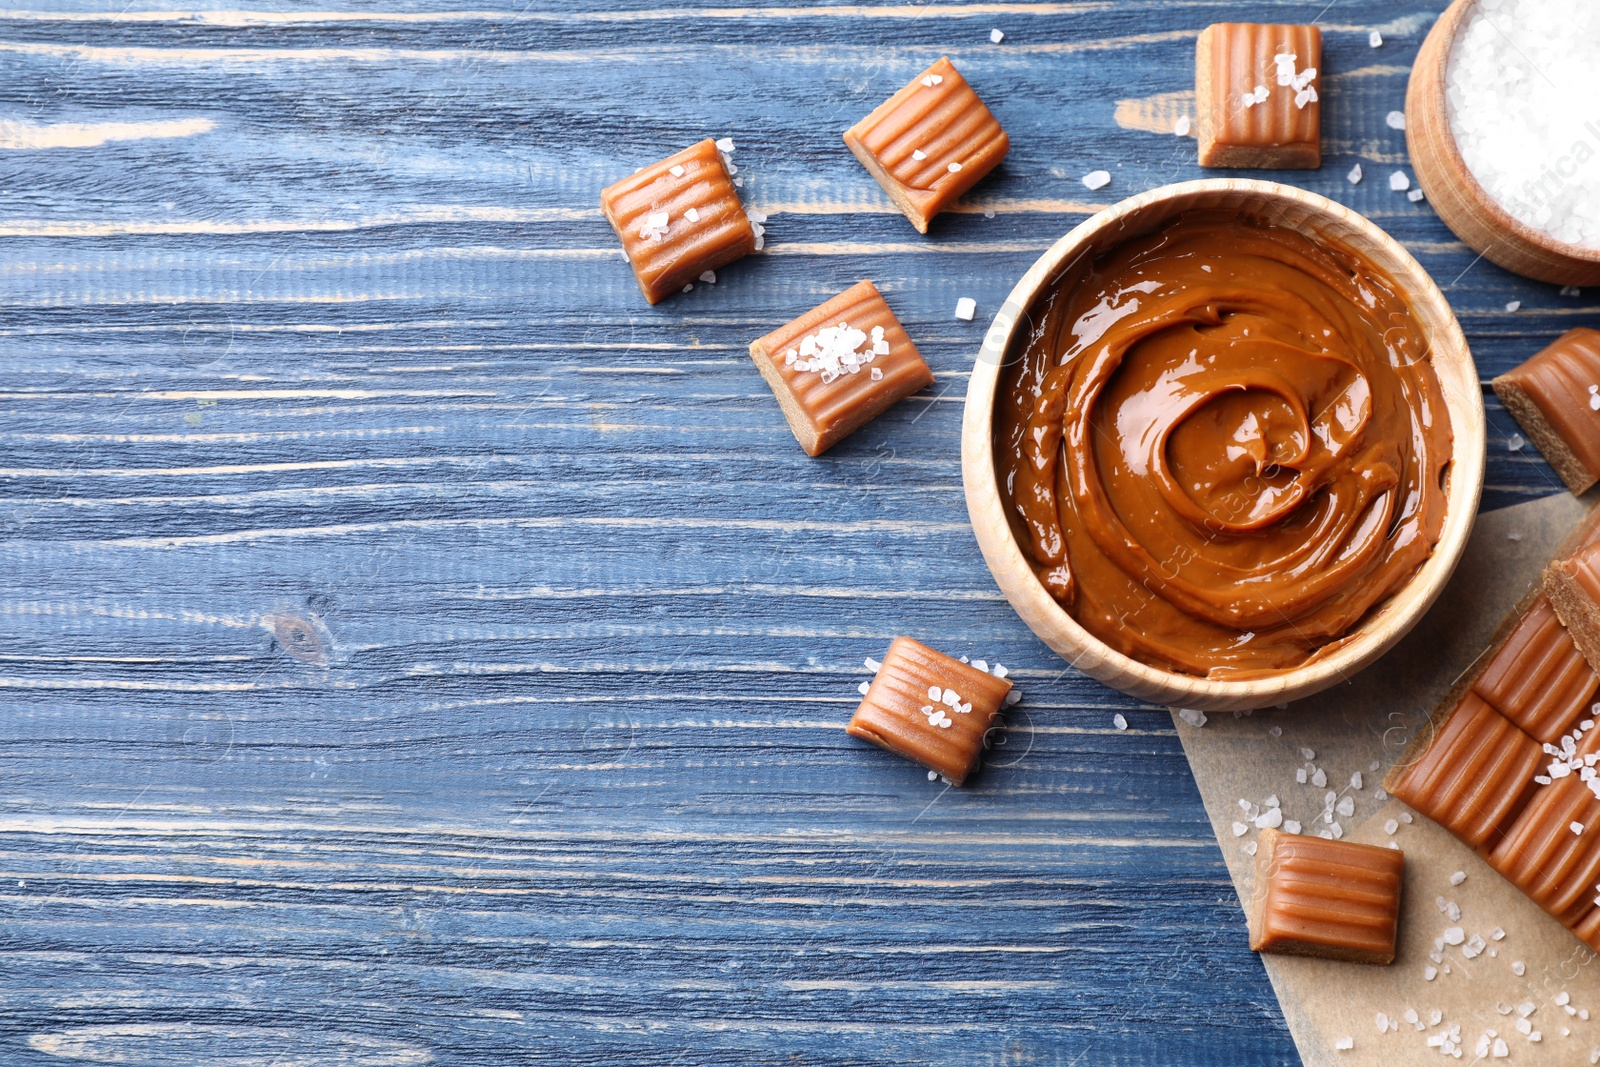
1558, 381
1222, 444
1242, 59
1538, 679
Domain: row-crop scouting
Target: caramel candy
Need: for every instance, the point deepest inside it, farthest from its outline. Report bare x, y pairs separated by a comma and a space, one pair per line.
678, 218
1548, 859
1474, 776
1551, 397
929, 143
1537, 678
1255, 109
929, 708
1587, 927
1333, 899
1573, 587
839, 366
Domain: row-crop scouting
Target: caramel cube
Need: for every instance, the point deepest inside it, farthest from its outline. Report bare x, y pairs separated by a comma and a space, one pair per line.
1553, 397
1334, 899
1474, 776
929, 708
839, 366
1538, 679
1573, 588
929, 143
678, 218
1552, 851
1256, 96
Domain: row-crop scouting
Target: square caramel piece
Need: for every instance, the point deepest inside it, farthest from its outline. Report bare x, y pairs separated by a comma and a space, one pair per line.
839, 366
1573, 587
929, 708
929, 143
1256, 97
679, 218
1555, 398
1314, 896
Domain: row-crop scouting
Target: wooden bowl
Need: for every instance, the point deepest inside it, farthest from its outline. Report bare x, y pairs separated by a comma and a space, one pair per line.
1454, 191
1389, 621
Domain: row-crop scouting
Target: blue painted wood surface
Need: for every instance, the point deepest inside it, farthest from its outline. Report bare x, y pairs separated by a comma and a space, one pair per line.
417, 649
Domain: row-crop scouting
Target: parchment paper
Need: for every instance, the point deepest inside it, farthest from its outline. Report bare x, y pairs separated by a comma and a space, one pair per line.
1364, 725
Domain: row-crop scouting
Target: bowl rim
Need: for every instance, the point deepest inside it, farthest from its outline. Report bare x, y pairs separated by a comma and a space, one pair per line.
1091, 655
1449, 26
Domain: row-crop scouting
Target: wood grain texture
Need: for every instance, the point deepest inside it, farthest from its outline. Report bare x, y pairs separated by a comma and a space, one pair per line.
415, 649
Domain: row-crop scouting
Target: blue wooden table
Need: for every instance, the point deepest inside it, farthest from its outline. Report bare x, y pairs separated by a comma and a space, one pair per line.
416, 649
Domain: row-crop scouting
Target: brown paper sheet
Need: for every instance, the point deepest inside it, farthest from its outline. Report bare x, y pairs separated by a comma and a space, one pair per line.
1364, 725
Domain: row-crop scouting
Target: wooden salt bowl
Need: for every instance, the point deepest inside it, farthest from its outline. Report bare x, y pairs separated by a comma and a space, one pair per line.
1266, 202
1455, 193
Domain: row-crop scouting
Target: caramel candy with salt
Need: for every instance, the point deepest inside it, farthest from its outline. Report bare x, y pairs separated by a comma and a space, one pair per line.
839, 366
1334, 899
1551, 397
1573, 587
929, 143
1538, 679
678, 218
1552, 851
1474, 776
929, 708
1253, 108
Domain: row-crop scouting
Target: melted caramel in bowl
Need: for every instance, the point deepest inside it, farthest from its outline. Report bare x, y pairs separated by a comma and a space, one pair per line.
1222, 444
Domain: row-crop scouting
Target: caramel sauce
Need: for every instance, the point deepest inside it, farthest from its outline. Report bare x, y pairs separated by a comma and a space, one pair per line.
1223, 444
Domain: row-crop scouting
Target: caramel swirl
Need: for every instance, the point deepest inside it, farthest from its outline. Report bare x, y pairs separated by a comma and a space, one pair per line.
1222, 444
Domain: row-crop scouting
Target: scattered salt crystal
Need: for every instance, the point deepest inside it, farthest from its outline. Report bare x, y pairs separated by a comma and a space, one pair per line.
1526, 1008
933, 79
1182, 126
1012, 697
688, 288
1300, 776
1473, 947
995, 36
1399, 182
1355, 780
1458, 877
1338, 831
1571, 290
1307, 754
1500, 1050
1391, 826
918, 154
877, 374
724, 144
1291, 826
1524, 1027
863, 687
966, 307
953, 167
1405, 817
1375, 39
1518, 968
1454, 935
1415, 196
1396, 120
1594, 403
1430, 972
1319, 778
999, 670
1383, 1023
1240, 829
1345, 1044
1515, 305
1250, 848
1346, 807
1097, 179
872, 665
708, 276
932, 775
1270, 819
1120, 722
1497, 934
1354, 177
1576, 828
1563, 998
677, 171
1514, 443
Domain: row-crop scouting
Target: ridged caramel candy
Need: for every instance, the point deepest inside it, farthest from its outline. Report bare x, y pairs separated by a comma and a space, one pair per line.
1573, 588
1542, 855
705, 226
1233, 60
1549, 396
1587, 927
902, 713
1334, 899
1538, 679
929, 143
824, 407
1475, 776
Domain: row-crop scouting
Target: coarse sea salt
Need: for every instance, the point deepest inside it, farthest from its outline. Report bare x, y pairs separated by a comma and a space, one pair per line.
1097, 179
1515, 89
